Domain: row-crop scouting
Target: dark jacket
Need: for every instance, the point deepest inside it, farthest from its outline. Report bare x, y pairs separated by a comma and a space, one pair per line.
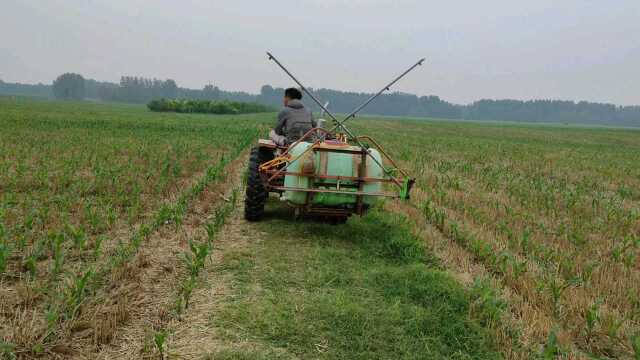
294, 120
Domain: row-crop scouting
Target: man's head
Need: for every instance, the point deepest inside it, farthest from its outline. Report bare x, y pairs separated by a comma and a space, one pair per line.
291, 94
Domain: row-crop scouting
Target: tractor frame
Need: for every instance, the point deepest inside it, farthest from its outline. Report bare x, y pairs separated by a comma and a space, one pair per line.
269, 166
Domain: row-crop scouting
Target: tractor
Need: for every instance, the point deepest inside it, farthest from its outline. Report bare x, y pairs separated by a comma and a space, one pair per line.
329, 172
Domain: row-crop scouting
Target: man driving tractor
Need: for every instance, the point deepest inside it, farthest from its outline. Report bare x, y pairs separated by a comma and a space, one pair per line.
294, 120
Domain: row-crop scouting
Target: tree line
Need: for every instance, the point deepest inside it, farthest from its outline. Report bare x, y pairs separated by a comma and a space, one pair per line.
133, 89
207, 106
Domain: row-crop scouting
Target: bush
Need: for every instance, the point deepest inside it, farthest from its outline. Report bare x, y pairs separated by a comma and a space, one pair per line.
207, 106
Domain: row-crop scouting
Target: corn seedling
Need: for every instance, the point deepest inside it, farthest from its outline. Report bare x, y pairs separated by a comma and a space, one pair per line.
612, 326
592, 318
160, 340
211, 233
58, 253
97, 246
78, 236
195, 260
75, 292
556, 288
186, 289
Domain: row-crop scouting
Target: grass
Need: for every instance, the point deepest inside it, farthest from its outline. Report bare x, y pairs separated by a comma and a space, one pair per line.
365, 290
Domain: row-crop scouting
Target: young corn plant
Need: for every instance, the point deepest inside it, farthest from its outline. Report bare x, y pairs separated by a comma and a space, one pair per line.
587, 272
164, 215
612, 325
211, 233
186, 288
592, 318
52, 316
93, 218
556, 288
160, 340
78, 235
58, 253
525, 242
195, 260
97, 246
111, 216
75, 292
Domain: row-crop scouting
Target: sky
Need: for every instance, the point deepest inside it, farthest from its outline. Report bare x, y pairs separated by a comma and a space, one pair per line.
543, 49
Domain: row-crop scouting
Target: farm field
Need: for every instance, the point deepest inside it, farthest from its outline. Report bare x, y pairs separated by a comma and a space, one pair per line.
82, 186
550, 215
120, 238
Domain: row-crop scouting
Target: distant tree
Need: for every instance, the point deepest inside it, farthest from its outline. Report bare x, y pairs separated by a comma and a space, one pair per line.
69, 86
211, 92
169, 89
269, 95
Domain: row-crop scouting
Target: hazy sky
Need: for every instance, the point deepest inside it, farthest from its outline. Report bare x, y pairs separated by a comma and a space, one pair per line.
567, 49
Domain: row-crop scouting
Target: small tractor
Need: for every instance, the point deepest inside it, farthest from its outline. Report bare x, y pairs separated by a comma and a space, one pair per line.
328, 173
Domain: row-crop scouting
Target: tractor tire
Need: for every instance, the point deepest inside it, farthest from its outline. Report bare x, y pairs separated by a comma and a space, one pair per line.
256, 194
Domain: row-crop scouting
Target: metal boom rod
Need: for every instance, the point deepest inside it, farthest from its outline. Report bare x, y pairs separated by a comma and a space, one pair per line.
271, 57
373, 97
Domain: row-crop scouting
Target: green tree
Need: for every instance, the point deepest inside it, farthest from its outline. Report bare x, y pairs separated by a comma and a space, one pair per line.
69, 86
211, 92
169, 89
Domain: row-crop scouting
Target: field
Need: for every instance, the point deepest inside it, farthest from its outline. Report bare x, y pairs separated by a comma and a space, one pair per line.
83, 185
121, 237
550, 215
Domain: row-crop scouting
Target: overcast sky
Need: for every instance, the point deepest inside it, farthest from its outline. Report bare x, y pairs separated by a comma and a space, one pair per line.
569, 49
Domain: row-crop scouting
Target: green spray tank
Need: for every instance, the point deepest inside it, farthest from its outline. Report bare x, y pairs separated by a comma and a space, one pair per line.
338, 166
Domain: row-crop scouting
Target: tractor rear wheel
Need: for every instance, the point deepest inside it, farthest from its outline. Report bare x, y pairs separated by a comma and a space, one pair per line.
256, 194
